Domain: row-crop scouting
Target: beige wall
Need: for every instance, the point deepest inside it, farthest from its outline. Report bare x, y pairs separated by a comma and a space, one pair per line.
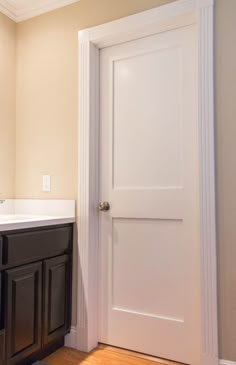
47, 85
225, 73
7, 106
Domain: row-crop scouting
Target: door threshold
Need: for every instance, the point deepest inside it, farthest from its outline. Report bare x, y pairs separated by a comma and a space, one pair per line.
138, 354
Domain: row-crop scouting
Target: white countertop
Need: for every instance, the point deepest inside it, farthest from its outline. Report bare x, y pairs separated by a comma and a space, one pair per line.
12, 222
21, 214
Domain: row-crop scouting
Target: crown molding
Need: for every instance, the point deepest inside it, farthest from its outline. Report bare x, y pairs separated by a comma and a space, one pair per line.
7, 10
20, 13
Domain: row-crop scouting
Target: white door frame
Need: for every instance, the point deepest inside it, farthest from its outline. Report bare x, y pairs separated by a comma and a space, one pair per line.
177, 14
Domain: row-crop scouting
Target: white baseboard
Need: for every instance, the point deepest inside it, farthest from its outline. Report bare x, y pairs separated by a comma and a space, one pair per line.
71, 338
76, 342
227, 362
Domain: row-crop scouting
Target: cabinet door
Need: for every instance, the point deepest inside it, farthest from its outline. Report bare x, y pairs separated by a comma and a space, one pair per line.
57, 298
1, 251
23, 311
2, 347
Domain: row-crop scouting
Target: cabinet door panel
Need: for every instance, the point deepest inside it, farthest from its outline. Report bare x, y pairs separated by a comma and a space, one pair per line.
1, 303
57, 303
2, 347
24, 306
1, 251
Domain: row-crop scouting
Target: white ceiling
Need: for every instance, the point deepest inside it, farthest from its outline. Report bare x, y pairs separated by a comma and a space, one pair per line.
19, 10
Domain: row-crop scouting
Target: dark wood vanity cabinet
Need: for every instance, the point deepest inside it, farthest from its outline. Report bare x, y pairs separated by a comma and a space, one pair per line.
35, 293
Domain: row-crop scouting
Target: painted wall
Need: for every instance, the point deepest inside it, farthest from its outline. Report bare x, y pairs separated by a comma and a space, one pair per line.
225, 97
7, 106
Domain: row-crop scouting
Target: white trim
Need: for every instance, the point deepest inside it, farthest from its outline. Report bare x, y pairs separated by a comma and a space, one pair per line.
7, 10
227, 362
207, 187
176, 14
88, 197
18, 13
139, 25
71, 338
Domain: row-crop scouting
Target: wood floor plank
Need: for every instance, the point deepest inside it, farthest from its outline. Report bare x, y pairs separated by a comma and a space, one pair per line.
103, 355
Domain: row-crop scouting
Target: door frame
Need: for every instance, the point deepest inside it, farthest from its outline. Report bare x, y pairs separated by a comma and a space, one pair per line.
173, 15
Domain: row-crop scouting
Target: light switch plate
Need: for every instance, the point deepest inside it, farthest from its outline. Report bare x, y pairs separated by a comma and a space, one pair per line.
46, 183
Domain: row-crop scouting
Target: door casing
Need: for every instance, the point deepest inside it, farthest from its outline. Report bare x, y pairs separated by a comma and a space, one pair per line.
176, 14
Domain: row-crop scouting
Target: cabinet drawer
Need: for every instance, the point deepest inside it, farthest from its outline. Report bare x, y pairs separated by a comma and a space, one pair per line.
25, 247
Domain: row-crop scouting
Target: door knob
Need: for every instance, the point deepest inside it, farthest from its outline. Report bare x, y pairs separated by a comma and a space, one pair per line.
103, 206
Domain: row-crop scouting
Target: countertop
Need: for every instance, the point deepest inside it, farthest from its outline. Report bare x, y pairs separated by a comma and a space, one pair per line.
11, 222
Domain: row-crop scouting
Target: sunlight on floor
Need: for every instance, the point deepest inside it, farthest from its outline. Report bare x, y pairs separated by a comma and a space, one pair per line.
103, 355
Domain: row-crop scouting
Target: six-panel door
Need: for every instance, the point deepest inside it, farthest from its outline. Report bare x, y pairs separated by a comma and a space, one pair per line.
23, 311
57, 289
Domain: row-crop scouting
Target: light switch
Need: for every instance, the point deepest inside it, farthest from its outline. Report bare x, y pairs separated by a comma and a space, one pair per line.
46, 183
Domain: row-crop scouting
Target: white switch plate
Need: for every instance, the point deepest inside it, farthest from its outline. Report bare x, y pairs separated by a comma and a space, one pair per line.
46, 183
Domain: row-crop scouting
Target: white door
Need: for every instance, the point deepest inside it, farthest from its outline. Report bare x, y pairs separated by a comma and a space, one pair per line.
149, 239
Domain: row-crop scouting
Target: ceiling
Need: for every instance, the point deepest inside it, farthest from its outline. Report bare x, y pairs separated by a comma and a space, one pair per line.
19, 10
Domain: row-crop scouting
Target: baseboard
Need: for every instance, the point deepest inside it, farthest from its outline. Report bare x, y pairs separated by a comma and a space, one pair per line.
71, 338
78, 342
227, 362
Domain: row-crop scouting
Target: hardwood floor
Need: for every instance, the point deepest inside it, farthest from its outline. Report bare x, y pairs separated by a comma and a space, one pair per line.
103, 355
